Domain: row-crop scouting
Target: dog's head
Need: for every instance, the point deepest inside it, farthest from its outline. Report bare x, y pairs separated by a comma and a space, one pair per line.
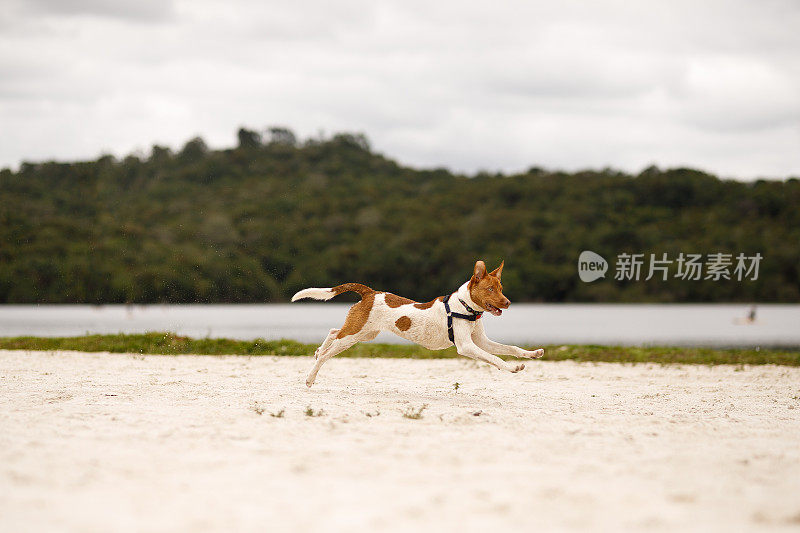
485, 289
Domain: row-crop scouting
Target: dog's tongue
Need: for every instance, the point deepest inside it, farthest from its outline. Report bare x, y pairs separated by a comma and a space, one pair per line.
495, 311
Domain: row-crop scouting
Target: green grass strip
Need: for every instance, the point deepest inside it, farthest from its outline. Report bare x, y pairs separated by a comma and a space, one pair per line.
172, 344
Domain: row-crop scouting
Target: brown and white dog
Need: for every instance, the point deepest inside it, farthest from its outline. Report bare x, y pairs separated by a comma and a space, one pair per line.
447, 320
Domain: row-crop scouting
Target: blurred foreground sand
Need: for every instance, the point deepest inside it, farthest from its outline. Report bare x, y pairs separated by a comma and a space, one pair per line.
112, 442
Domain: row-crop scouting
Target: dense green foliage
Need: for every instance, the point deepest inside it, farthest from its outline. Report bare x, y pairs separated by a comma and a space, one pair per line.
257, 222
171, 344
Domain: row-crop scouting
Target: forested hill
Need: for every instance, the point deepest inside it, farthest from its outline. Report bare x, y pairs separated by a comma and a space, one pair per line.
257, 222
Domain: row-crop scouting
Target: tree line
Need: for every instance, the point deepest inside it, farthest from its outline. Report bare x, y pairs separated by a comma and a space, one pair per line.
259, 221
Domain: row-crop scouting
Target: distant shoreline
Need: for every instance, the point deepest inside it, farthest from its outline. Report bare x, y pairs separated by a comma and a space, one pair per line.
164, 343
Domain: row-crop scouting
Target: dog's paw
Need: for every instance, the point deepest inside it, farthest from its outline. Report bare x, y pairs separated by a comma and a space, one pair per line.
531, 354
516, 368
309, 382
536, 354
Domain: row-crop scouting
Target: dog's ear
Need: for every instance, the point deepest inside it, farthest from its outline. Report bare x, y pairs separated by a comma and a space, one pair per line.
497, 272
480, 271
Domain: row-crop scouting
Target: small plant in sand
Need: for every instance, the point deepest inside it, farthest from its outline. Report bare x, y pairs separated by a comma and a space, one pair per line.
257, 409
279, 414
456, 386
414, 414
312, 412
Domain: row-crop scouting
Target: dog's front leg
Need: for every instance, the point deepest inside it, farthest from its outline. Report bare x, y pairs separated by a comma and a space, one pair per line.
469, 349
485, 343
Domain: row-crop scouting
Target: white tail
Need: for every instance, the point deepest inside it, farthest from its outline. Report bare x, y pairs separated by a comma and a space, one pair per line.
317, 294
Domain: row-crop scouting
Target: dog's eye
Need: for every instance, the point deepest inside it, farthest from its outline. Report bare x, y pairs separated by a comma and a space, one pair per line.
491, 289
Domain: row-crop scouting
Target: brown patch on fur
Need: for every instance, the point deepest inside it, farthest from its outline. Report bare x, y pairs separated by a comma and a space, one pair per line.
358, 314
393, 300
403, 323
354, 287
428, 305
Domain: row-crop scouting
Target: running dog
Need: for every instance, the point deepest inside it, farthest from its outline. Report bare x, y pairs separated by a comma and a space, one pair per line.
448, 320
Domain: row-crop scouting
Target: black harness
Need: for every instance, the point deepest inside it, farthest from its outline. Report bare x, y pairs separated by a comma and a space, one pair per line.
450, 315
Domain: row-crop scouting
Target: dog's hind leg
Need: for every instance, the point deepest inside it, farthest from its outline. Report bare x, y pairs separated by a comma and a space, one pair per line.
355, 329
327, 342
336, 346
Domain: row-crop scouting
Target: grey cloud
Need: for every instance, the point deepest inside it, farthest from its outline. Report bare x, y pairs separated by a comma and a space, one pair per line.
570, 85
139, 10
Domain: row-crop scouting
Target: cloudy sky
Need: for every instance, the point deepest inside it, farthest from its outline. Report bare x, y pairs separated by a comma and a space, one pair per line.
467, 85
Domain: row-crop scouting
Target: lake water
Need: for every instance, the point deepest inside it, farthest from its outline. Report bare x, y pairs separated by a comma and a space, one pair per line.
530, 324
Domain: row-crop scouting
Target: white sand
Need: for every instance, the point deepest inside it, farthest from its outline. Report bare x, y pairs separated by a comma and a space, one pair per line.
102, 442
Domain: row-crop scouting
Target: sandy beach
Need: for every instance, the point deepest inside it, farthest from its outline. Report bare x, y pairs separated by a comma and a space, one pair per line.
114, 442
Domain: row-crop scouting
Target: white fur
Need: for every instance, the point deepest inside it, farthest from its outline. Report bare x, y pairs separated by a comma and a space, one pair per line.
428, 328
315, 293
